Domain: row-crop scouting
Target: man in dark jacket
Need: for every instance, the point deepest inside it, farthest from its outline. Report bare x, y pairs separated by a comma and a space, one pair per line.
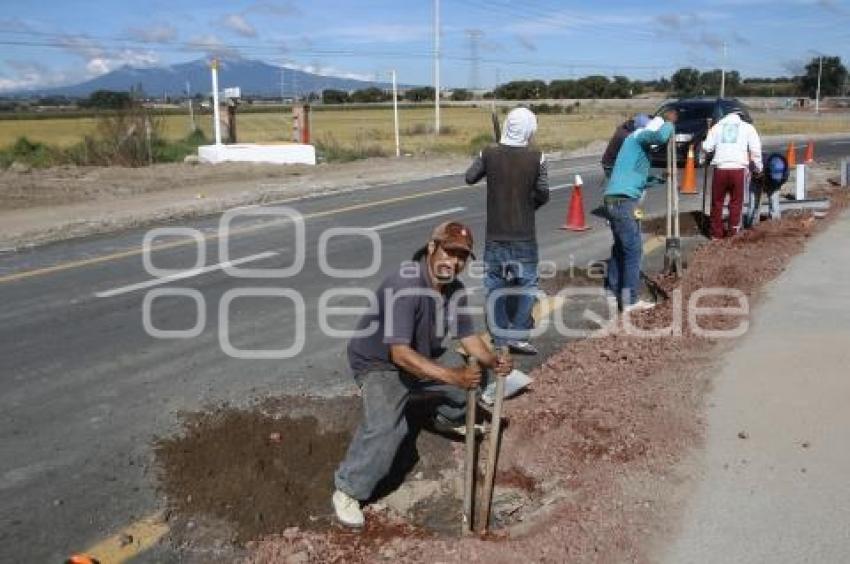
517, 184
609, 157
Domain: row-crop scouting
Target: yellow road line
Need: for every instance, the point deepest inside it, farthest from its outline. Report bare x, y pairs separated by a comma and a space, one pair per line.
652, 244
211, 237
131, 541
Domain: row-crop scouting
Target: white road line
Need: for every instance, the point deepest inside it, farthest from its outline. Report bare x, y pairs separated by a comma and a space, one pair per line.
838, 142
392, 224
182, 275
212, 268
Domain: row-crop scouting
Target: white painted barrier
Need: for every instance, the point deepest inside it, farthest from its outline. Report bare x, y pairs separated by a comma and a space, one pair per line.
292, 153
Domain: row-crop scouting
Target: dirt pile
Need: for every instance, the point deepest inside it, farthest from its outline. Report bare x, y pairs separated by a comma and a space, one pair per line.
260, 473
603, 433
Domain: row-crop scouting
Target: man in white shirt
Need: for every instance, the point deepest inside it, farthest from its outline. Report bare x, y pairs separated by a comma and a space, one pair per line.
735, 143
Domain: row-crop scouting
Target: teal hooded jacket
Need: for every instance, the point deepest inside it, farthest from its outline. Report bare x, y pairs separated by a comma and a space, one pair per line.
631, 168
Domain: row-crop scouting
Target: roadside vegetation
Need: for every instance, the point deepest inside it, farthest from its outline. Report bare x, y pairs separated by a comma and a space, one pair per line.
119, 129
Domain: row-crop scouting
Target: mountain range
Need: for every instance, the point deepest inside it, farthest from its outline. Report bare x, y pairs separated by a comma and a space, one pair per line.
254, 77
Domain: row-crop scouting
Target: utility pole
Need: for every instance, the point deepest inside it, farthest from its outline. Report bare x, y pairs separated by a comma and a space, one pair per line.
192, 125
436, 67
723, 73
817, 94
216, 109
474, 36
395, 114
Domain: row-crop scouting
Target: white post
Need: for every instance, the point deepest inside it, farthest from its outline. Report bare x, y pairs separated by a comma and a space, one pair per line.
436, 67
216, 116
395, 115
800, 187
817, 95
192, 126
723, 73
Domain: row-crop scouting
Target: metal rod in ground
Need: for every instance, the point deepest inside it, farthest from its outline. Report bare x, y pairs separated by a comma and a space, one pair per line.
493, 451
469, 461
671, 169
672, 247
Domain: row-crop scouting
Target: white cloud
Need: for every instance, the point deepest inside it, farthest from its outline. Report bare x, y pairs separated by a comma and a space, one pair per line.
327, 71
99, 60
526, 43
212, 46
279, 9
156, 33
31, 75
378, 33
14, 24
239, 25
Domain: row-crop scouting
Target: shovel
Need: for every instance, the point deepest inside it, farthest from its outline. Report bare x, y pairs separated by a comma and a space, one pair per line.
493, 451
469, 459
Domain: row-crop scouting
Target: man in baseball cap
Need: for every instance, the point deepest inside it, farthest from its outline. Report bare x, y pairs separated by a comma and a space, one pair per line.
395, 355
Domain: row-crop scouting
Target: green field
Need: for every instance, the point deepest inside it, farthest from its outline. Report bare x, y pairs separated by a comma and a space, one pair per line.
370, 131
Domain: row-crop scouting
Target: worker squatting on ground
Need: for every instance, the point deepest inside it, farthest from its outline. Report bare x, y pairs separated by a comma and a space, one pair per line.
734, 143
517, 184
622, 200
395, 358
609, 157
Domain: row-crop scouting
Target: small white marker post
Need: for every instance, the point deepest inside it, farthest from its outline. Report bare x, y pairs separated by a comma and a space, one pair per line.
800, 186
216, 116
395, 115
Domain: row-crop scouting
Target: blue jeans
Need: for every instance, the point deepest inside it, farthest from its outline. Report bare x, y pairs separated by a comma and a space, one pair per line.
754, 213
384, 427
510, 265
623, 277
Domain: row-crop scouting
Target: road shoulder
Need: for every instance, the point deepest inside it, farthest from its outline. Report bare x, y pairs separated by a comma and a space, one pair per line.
771, 482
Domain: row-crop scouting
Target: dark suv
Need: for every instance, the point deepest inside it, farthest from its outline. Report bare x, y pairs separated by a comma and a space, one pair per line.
695, 117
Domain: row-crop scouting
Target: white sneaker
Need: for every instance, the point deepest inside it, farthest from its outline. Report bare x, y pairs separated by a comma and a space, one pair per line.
348, 510
640, 305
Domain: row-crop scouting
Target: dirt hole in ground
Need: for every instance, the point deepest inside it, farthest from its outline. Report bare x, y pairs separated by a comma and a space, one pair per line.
244, 474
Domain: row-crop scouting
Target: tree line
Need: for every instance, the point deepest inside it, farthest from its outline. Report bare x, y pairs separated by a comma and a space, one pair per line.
683, 83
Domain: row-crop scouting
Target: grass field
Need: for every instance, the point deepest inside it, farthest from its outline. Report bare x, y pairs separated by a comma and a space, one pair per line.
371, 131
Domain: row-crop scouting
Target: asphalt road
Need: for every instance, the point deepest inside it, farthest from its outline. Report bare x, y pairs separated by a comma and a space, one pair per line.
84, 387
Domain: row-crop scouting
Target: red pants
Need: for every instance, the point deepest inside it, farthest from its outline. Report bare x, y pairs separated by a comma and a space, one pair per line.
727, 181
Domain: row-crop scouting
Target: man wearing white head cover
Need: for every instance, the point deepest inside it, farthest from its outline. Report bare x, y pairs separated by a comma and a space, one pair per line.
517, 184
736, 146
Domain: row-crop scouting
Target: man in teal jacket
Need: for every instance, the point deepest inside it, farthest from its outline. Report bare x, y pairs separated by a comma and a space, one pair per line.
622, 200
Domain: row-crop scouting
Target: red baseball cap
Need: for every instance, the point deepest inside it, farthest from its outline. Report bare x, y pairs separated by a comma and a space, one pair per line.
454, 236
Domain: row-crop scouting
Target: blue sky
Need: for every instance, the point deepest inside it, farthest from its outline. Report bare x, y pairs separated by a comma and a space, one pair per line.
48, 42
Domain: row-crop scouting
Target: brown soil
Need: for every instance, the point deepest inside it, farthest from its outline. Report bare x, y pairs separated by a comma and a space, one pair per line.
260, 473
690, 224
604, 432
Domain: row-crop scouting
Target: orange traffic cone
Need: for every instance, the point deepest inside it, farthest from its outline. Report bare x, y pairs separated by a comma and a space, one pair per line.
810, 153
689, 179
791, 155
81, 559
575, 213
